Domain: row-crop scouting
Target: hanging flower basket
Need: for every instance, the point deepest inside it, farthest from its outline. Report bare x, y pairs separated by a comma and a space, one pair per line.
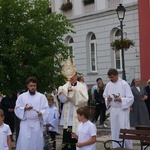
86, 2
66, 6
118, 44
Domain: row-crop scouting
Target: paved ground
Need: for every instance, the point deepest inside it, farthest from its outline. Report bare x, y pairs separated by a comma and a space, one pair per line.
103, 134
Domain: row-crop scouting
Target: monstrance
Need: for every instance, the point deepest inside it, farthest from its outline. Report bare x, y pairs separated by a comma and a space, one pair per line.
68, 70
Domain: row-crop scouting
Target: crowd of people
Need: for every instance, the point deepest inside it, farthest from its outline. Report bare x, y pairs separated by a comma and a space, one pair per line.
129, 106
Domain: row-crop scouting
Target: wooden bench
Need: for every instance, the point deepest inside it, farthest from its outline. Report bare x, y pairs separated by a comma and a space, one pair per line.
130, 134
143, 143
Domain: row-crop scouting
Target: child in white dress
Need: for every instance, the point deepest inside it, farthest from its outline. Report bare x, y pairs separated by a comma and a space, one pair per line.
86, 132
5, 132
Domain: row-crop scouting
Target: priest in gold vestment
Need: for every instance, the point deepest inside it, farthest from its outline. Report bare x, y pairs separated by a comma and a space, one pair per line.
73, 95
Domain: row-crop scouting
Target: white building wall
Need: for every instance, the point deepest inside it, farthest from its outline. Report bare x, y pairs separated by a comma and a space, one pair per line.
101, 22
100, 5
77, 7
56, 5
128, 1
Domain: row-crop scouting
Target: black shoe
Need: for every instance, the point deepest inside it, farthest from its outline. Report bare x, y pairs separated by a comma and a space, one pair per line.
57, 133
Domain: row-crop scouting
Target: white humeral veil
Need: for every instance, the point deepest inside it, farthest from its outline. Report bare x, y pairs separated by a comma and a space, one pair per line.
73, 98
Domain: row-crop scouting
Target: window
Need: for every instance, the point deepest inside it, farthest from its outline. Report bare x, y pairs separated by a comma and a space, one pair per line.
71, 49
65, 1
117, 60
117, 54
92, 47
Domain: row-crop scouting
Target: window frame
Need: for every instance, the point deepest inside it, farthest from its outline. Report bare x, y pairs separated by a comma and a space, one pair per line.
115, 37
71, 44
93, 41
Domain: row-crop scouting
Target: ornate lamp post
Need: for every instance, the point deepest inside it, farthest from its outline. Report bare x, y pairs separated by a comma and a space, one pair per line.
121, 13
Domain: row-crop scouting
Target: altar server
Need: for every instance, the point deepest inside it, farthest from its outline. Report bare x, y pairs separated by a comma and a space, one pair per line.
5, 132
118, 96
52, 120
32, 109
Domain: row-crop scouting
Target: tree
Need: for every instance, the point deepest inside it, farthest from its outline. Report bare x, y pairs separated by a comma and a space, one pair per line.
31, 40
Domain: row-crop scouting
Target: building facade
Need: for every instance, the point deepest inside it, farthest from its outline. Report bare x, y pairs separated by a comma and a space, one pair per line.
96, 25
144, 32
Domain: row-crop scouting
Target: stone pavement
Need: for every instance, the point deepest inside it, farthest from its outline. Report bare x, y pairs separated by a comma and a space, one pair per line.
103, 134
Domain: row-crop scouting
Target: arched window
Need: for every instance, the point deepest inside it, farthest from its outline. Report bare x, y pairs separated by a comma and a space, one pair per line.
71, 49
117, 54
92, 48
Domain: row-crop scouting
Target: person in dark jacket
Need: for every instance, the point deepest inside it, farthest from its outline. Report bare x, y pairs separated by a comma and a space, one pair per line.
147, 88
8, 105
100, 109
1, 96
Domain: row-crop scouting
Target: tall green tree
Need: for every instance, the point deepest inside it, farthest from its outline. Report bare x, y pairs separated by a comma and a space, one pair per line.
31, 40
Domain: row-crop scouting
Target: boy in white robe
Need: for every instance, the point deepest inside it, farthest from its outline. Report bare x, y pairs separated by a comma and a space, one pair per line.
119, 98
32, 109
5, 132
52, 120
86, 133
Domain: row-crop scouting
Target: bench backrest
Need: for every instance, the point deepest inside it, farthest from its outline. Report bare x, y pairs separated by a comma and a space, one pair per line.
143, 135
140, 127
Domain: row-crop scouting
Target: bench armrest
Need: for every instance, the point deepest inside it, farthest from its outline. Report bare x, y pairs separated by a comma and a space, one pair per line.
108, 141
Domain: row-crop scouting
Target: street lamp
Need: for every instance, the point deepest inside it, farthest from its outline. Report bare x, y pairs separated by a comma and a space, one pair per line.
121, 13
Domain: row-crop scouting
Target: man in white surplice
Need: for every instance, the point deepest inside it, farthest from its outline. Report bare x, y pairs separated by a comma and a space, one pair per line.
119, 97
32, 109
73, 95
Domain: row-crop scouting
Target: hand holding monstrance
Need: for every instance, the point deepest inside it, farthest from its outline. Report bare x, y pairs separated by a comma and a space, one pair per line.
69, 71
